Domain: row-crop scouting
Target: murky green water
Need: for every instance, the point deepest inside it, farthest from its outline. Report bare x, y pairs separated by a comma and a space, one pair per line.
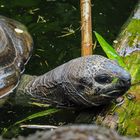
55, 28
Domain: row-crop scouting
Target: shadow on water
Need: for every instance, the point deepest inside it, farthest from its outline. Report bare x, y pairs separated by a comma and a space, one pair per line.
55, 28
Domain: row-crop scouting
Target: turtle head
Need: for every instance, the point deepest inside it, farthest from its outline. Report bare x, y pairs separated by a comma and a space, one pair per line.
111, 80
102, 80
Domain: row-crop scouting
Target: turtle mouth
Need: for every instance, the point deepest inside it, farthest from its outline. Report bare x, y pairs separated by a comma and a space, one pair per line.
105, 97
115, 91
113, 94
105, 93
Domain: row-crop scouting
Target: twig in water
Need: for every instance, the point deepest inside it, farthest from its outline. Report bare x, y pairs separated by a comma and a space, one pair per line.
32, 126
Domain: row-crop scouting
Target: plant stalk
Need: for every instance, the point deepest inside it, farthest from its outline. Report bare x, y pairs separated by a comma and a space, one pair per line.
86, 27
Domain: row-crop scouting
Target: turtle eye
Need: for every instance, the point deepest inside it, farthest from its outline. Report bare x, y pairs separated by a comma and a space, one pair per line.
103, 79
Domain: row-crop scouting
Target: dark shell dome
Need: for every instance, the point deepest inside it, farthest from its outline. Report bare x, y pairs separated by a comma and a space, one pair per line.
15, 49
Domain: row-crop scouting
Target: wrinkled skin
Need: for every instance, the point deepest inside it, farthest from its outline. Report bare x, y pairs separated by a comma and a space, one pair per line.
87, 81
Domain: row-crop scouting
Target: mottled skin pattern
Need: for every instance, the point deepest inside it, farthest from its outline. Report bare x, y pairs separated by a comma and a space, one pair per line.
87, 81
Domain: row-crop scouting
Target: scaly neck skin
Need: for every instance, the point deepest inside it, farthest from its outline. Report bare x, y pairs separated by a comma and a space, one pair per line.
52, 87
21, 97
26, 93
41, 89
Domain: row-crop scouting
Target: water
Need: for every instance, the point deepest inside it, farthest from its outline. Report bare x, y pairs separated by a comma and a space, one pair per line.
55, 28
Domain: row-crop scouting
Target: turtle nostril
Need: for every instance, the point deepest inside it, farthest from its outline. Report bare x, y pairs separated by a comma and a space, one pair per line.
129, 82
125, 83
125, 80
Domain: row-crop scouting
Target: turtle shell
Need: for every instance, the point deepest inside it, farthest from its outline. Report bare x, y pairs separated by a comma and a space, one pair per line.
15, 50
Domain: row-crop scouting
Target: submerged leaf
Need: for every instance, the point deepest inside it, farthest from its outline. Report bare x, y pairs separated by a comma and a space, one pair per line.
33, 116
39, 114
109, 50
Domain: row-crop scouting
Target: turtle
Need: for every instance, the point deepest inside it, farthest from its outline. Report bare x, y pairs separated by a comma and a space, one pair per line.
86, 81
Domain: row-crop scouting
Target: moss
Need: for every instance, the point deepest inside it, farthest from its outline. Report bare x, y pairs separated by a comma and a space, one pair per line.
132, 31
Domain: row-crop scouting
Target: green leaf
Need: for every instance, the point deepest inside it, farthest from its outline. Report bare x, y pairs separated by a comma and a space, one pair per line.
109, 50
39, 114
33, 116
